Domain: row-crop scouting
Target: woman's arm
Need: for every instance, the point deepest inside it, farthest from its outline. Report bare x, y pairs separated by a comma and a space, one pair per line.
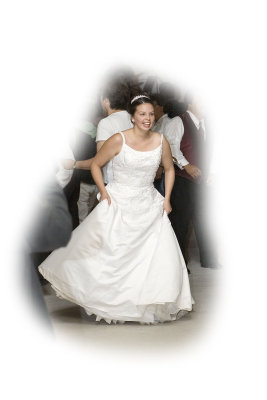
109, 150
167, 163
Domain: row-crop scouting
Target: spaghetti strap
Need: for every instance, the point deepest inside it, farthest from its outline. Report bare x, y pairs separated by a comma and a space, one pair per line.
123, 137
161, 138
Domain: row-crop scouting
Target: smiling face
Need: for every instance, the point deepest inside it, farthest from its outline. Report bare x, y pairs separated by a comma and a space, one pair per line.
144, 116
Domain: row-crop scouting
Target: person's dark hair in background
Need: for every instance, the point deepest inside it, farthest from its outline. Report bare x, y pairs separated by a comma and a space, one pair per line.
167, 92
120, 87
175, 108
149, 84
118, 94
167, 107
158, 99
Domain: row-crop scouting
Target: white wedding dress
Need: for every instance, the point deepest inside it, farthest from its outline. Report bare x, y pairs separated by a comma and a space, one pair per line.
123, 262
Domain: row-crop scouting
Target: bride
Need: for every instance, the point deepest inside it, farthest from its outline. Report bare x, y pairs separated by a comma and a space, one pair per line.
123, 262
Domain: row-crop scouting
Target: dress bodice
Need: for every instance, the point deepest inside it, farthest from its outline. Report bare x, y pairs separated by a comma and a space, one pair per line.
136, 168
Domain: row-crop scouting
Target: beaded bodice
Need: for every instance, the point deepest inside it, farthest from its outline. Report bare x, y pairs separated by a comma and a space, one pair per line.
136, 168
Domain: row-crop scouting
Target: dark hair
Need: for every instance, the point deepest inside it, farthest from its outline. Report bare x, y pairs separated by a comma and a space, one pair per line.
174, 108
158, 98
149, 84
167, 91
118, 93
167, 107
141, 100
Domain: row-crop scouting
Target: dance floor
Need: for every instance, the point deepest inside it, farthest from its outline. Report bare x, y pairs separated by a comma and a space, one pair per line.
69, 322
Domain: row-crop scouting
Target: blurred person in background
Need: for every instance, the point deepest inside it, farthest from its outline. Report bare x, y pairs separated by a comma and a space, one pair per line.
190, 149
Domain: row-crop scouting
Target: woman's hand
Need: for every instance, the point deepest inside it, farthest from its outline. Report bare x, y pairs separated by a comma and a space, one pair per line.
167, 206
105, 196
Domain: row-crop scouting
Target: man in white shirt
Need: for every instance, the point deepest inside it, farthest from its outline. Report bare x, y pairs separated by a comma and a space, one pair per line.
114, 100
187, 138
173, 131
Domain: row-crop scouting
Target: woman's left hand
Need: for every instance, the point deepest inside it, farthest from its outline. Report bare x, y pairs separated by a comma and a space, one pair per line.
167, 206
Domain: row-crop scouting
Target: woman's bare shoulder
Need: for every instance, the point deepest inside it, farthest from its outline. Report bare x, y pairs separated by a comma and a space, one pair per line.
156, 136
114, 142
115, 139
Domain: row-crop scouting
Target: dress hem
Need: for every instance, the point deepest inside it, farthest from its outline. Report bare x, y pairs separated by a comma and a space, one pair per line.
153, 318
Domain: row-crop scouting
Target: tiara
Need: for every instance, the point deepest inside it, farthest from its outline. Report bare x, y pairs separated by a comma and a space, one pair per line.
138, 97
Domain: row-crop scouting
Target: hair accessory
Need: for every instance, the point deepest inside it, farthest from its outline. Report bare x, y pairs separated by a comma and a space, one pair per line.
138, 97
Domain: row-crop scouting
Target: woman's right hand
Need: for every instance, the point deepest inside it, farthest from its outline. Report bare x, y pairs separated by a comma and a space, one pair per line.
105, 196
167, 206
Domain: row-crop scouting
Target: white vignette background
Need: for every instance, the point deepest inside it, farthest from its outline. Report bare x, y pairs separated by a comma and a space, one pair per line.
54, 53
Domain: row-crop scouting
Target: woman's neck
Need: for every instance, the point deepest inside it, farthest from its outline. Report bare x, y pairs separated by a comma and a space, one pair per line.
141, 133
